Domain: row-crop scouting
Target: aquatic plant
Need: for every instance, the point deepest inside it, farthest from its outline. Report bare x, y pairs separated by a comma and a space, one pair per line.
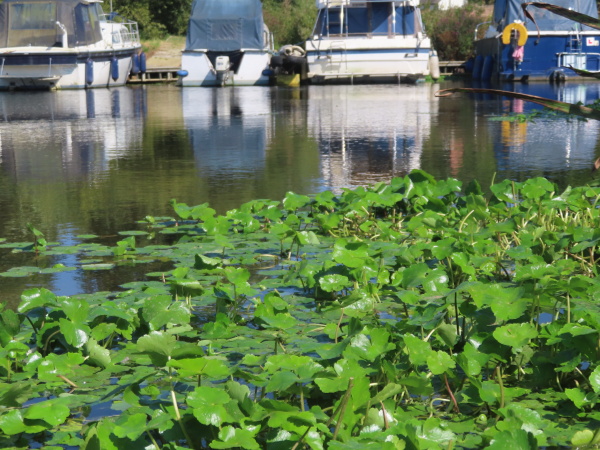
414, 314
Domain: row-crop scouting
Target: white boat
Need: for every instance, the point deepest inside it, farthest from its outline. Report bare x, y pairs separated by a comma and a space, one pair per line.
368, 41
64, 44
227, 44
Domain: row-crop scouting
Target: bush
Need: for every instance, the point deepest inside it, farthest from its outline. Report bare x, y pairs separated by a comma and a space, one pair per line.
290, 21
452, 31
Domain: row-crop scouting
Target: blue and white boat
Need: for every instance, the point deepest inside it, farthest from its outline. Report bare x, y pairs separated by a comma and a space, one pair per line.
64, 44
227, 44
512, 50
368, 41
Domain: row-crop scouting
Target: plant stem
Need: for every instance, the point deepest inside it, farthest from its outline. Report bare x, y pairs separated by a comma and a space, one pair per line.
343, 405
501, 384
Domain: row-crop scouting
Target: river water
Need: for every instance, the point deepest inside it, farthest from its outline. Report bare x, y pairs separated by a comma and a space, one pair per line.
95, 162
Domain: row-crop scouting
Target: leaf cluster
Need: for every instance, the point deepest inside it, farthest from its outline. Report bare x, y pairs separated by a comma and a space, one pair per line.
413, 314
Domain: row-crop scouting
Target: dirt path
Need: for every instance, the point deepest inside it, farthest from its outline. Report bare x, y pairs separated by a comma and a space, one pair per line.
167, 54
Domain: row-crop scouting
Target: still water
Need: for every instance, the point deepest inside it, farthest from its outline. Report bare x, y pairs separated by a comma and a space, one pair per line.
95, 162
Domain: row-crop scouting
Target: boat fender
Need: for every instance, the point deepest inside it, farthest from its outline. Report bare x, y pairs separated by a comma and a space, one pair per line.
434, 65
114, 68
521, 31
182, 73
89, 71
292, 50
135, 64
143, 62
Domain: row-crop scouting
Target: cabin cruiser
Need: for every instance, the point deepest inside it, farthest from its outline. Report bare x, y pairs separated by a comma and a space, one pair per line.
512, 49
227, 44
368, 41
64, 44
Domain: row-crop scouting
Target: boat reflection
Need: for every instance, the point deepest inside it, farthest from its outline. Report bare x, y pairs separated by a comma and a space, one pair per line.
368, 134
49, 135
229, 129
545, 144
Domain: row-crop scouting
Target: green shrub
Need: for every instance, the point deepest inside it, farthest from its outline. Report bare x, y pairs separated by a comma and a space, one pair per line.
452, 31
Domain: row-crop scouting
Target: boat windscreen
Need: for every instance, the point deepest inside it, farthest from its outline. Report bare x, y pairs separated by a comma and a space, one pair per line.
42, 24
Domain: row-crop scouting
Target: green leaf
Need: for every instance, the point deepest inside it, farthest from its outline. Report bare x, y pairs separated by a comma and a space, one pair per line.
514, 440
595, 380
53, 412
130, 426
203, 366
230, 437
35, 298
158, 345
582, 438
440, 362
515, 335
208, 404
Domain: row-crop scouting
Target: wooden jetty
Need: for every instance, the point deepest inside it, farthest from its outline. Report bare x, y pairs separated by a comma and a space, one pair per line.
155, 75
169, 74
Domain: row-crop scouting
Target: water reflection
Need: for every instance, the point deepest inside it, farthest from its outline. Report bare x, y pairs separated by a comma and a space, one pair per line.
94, 162
369, 134
44, 139
229, 129
547, 145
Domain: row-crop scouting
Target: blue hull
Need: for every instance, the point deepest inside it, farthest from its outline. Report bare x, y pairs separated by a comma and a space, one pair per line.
546, 58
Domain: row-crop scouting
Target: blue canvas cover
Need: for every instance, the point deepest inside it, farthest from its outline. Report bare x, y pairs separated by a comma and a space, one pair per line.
509, 11
225, 25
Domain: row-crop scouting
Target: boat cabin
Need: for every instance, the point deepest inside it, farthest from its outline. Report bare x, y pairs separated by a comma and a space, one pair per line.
347, 18
56, 23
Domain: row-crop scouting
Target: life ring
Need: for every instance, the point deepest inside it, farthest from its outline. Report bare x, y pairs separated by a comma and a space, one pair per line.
521, 31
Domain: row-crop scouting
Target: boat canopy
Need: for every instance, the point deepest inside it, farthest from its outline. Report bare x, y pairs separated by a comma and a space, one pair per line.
509, 11
44, 22
369, 19
225, 26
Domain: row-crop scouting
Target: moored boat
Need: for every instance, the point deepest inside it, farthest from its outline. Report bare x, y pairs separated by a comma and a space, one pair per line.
227, 44
64, 44
512, 49
368, 41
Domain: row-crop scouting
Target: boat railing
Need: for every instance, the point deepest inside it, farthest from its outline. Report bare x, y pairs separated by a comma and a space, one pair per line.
321, 4
127, 30
476, 37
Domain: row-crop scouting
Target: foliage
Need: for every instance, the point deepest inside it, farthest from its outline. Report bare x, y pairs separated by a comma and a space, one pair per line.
415, 314
290, 21
156, 18
452, 31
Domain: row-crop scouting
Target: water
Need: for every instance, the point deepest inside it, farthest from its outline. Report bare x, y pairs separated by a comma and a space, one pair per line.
94, 162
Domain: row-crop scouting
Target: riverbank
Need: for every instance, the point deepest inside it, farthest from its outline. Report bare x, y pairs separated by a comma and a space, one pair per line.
164, 53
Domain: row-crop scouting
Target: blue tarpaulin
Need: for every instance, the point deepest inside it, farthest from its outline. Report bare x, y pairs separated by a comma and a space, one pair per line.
225, 26
509, 11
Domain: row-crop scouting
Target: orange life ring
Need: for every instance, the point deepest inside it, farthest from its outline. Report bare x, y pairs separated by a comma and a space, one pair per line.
521, 31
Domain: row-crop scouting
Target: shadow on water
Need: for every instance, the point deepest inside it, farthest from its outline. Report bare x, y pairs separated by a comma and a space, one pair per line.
94, 162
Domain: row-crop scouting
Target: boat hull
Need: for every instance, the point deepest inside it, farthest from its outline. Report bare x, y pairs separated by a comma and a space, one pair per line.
251, 70
367, 60
64, 69
358, 64
545, 59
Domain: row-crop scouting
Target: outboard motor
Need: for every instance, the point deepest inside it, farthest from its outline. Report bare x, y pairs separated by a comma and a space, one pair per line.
222, 68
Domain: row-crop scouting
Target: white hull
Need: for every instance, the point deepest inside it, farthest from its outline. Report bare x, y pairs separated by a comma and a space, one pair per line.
201, 72
63, 69
377, 58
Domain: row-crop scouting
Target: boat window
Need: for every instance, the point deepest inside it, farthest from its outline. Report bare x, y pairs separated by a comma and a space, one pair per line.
405, 20
87, 26
379, 18
358, 21
32, 24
